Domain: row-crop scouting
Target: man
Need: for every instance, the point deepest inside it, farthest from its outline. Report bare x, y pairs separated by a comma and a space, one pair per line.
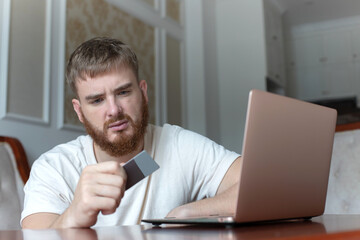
82, 183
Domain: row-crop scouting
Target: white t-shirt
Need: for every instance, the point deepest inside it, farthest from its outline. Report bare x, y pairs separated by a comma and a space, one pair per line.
191, 168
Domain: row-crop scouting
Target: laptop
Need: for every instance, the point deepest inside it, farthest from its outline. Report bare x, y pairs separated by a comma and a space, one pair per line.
286, 157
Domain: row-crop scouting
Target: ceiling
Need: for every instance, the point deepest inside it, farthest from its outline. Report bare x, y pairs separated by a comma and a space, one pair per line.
290, 4
306, 11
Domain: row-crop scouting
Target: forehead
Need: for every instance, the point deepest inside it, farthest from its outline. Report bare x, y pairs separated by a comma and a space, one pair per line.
106, 81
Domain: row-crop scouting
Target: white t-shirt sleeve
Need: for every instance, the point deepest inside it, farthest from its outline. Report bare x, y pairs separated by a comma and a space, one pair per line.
54, 177
46, 190
204, 163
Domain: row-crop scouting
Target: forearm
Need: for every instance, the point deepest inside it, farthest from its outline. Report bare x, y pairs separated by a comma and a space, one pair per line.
222, 204
40, 221
64, 221
45, 220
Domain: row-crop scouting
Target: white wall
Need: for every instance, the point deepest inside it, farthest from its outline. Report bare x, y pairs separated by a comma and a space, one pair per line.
241, 61
225, 56
236, 55
304, 12
211, 71
195, 80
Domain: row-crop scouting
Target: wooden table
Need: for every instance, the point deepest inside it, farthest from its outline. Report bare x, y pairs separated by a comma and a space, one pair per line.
324, 227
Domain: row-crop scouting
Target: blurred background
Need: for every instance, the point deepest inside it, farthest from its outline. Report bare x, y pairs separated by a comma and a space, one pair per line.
200, 59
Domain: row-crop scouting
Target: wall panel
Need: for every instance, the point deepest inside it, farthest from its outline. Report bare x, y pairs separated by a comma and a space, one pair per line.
27, 73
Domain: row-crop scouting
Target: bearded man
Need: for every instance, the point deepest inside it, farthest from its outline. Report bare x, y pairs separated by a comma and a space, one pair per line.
82, 183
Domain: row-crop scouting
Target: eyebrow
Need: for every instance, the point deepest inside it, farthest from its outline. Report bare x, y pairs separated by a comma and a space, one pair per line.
128, 85
95, 96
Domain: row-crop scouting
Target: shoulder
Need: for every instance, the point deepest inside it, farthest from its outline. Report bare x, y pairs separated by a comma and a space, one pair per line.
180, 134
177, 130
153, 130
187, 140
179, 140
73, 152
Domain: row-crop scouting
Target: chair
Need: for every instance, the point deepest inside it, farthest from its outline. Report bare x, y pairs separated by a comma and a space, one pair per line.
14, 172
343, 195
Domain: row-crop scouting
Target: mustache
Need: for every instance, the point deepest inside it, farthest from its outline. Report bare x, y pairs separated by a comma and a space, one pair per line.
119, 117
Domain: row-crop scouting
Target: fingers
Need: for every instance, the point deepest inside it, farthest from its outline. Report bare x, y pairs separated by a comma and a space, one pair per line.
100, 179
103, 179
110, 167
100, 188
108, 192
96, 204
107, 205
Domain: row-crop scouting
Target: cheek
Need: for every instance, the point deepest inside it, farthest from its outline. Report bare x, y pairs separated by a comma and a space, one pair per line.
96, 117
134, 111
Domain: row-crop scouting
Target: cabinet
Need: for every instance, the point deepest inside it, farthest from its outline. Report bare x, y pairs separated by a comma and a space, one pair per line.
306, 52
355, 44
324, 65
274, 44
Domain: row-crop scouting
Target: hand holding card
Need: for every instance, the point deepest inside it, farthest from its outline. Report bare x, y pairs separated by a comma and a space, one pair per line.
141, 166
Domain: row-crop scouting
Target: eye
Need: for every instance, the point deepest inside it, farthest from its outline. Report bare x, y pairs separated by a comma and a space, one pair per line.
97, 101
124, 92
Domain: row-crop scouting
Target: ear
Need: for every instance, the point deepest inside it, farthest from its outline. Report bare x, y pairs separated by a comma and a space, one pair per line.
77, 107
143, 87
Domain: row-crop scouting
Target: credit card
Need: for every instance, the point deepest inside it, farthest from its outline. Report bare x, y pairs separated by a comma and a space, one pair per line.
141, 166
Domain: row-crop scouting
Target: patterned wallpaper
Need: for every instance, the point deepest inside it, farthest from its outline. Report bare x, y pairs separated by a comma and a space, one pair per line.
91, 18
173, 10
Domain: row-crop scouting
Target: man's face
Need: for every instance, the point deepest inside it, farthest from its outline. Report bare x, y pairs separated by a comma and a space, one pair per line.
113, 109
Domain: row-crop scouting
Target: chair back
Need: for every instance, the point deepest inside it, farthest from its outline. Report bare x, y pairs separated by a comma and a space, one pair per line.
343, 196
14, 172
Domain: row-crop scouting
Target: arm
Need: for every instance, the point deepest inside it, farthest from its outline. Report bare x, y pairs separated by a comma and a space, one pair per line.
100, 188
224, 201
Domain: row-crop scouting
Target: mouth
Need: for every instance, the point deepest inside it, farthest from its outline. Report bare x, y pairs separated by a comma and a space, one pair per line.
118, 125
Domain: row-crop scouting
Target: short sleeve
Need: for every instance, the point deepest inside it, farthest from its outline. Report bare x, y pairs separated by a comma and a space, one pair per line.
46, 190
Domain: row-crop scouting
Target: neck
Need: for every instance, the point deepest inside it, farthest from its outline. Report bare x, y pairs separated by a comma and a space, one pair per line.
102, 156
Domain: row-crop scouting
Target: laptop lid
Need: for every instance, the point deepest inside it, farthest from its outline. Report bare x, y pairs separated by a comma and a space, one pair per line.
287, 150
286, 158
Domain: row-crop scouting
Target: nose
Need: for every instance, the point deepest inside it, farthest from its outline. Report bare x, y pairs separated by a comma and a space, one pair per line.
114, 108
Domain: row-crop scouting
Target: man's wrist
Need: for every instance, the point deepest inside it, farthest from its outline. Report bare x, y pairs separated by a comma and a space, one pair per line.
64, 221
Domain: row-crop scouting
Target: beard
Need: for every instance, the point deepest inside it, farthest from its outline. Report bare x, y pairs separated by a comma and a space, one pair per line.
123, 143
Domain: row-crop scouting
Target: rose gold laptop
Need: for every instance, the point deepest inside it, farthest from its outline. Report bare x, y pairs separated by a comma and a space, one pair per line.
286, 161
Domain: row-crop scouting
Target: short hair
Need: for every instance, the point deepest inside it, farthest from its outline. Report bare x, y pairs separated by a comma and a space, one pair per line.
98, 56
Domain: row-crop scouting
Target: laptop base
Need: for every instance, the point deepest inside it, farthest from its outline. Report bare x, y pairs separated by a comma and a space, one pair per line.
204, 220
224, 221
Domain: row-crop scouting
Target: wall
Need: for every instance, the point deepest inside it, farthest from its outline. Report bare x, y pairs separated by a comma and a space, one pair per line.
36, 137
225, 42
237, 57
211, 71
51, 126
240, 66
304, 12
195, 79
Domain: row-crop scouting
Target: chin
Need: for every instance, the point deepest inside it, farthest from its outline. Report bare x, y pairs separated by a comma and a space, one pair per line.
113, 137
